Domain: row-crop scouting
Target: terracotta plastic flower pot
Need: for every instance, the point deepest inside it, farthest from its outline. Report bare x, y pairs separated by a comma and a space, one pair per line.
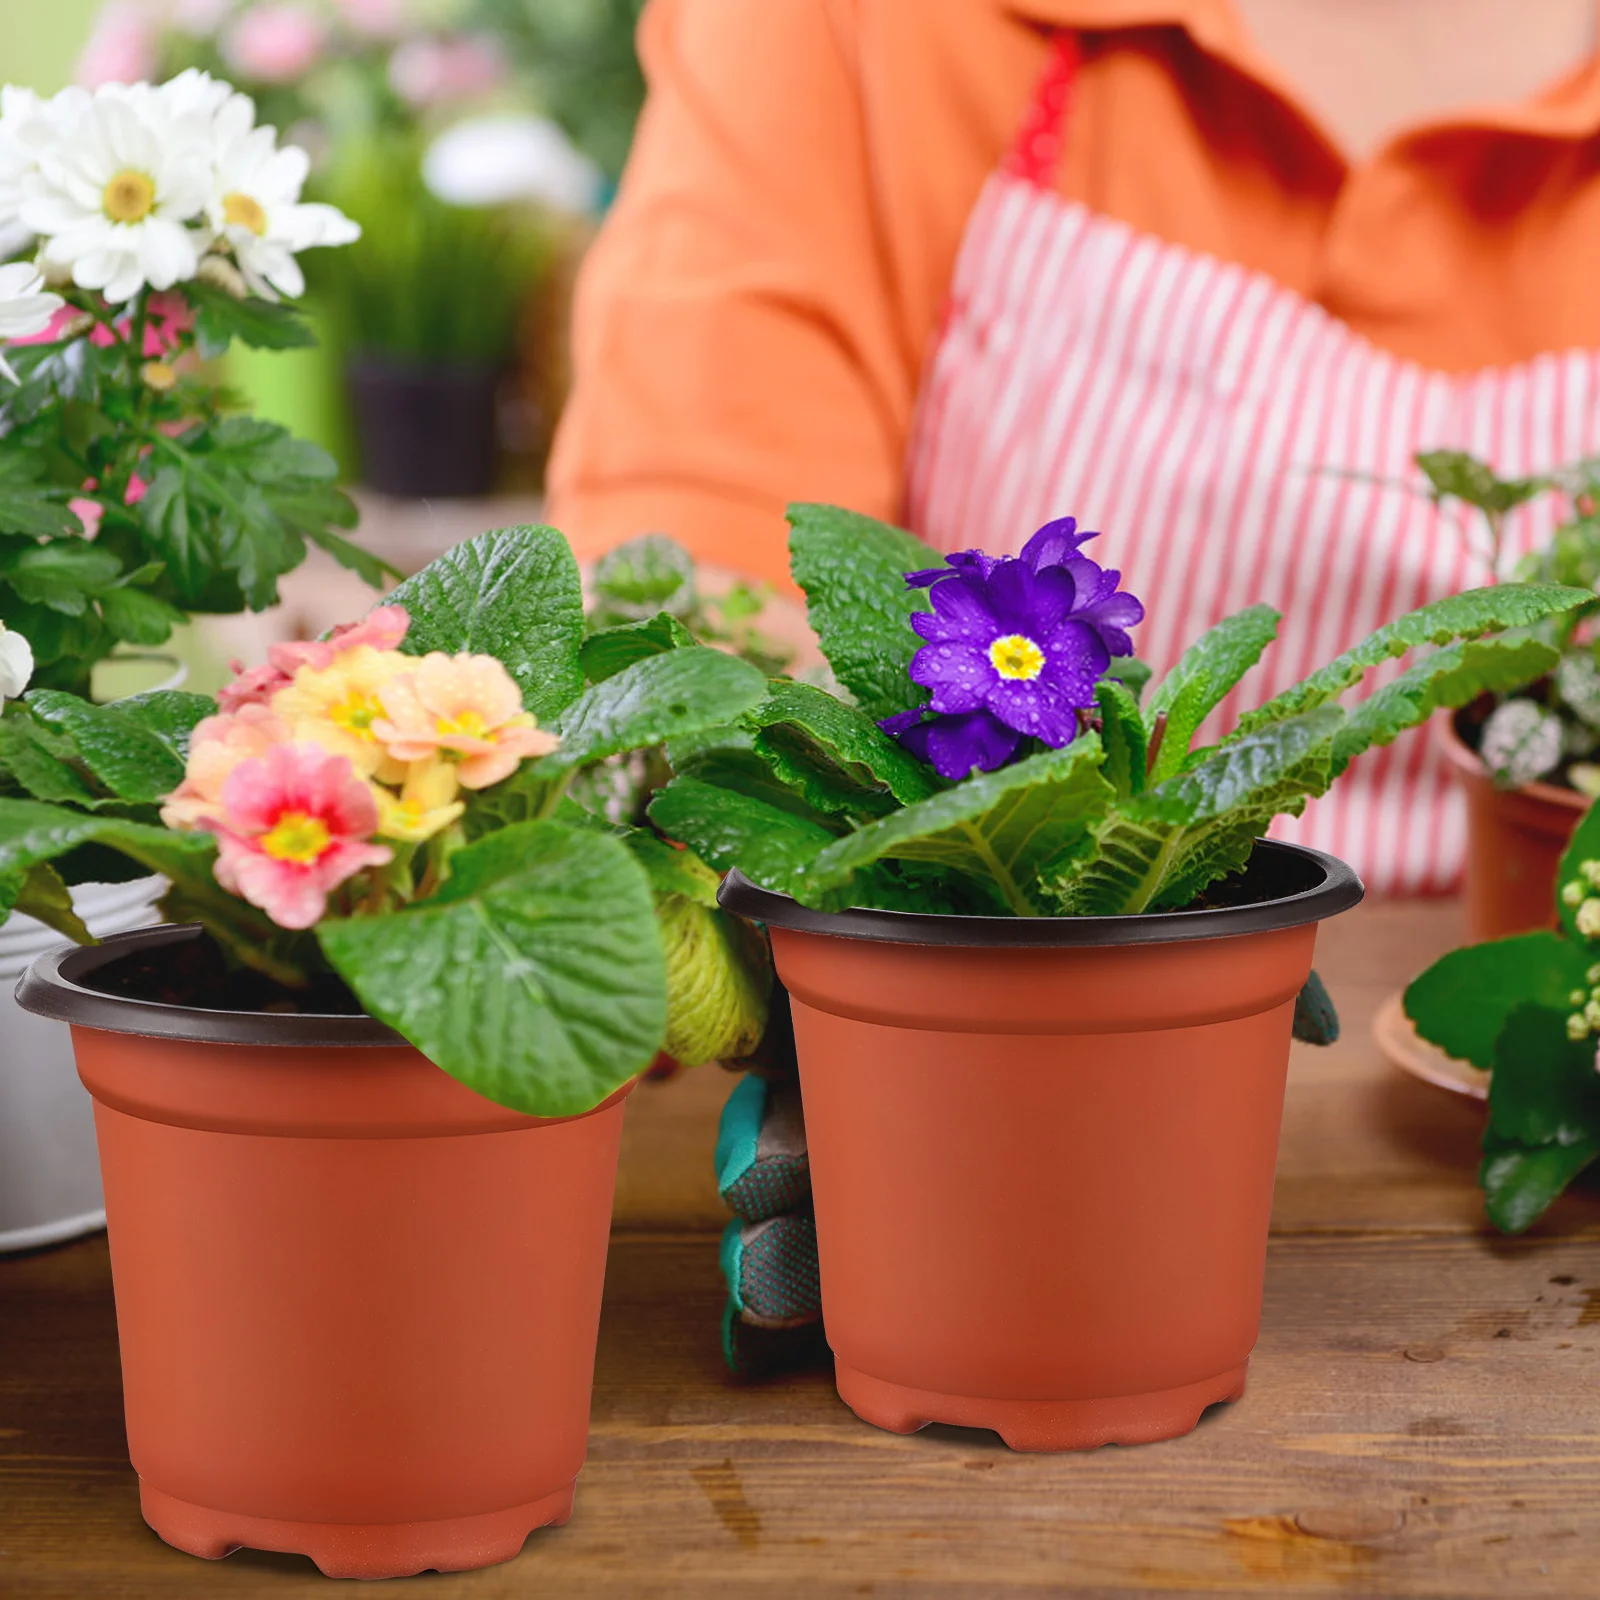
1042, 1150
357, 1303
1515, 841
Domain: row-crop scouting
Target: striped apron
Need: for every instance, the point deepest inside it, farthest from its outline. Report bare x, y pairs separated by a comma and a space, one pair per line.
1234, 443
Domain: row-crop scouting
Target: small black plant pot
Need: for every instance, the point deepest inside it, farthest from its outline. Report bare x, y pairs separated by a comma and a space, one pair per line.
424, 432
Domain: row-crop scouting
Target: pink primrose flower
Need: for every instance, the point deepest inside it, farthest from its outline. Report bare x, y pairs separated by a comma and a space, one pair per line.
121, 47
217, 745
296, 823
383, 628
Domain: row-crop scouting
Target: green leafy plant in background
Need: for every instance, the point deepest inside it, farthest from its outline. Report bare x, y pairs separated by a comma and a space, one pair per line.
1526, 1009
429, 284
808, 796
1549, 729
538, 952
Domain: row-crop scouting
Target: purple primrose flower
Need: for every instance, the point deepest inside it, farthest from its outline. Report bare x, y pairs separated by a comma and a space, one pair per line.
1014, 648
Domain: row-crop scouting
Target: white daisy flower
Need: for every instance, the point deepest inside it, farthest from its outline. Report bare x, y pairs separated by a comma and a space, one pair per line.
16, 663
255, 208
29, 125
25, 306
112, 199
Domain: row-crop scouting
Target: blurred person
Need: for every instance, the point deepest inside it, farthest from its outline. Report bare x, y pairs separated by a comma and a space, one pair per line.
1204, 273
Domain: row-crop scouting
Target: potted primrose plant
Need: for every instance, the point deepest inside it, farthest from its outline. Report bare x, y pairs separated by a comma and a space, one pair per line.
358, 1112
1526, 1009
1528, 759
1041, 968
152, 228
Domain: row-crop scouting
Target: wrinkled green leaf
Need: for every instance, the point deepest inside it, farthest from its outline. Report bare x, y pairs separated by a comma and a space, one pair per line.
644, 576
607, 652
1004, 827
1459, 616
46, 899
170, 715
656, 699
1206, 671
1160, 849
1456, 474
772, 847
129, 758
37, 760
672, 871
1123, 735
514, 594
535, 975
1447, 678
839, 759
852, 569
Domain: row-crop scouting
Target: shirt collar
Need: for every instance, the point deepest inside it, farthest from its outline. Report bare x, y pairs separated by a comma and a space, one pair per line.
1569, 109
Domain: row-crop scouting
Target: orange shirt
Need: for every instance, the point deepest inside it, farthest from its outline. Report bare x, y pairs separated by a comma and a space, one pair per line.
753, 321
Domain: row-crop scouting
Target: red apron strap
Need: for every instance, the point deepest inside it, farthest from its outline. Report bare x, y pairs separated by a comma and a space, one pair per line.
1036, 152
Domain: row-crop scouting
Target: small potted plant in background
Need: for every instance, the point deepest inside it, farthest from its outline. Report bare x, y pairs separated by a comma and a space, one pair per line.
1526, 1010
358, 1120
153, 227
1042, 970
1528, 760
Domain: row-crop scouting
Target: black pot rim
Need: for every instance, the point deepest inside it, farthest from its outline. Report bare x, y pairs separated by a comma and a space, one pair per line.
52, 987
1337, 890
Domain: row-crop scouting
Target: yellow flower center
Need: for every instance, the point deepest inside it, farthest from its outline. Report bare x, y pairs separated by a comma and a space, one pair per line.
467, 724
242, 211
1016, 656
356, 713
296, 837
129, 197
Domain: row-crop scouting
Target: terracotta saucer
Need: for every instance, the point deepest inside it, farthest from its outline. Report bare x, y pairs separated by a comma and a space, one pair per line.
1402, 1045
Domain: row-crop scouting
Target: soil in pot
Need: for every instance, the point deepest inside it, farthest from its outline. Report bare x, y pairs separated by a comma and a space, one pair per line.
1515, 838
357, 1303
1042, 1150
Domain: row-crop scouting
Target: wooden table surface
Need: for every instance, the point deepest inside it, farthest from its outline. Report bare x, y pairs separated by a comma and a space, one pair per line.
1423, 1415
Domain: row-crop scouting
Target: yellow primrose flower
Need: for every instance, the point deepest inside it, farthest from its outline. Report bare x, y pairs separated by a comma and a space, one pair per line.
426, 804
465, 708
337, 705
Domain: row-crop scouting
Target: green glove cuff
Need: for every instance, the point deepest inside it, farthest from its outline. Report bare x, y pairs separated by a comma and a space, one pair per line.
762, 1166
1315, 1020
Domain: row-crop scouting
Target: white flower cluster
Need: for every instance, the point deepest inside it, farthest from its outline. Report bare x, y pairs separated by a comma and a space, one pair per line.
135, 186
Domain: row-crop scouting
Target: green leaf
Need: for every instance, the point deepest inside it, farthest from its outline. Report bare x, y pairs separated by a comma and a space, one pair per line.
1160, 849
138, 616
1456, 474
772, 847
1584, 845
36, 513
31, 832
64, 575
1123, 735
839, 759
535, 975
1005, 827
1464, 1000
644, 576
1459, 616
1206, 671
663, 696
171, 715
35, 759
513, 593
852, 569
261, 324
128, 758
673, 872
45, 898
1520, 1185
1132, 673
606, 653
726, 758
372, 569
1447, 678
1544, 1089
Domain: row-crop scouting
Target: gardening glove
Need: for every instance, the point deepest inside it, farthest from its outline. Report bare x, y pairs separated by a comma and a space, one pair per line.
773, 1319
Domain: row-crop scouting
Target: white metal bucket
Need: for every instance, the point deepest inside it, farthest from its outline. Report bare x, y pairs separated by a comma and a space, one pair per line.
49, 1170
